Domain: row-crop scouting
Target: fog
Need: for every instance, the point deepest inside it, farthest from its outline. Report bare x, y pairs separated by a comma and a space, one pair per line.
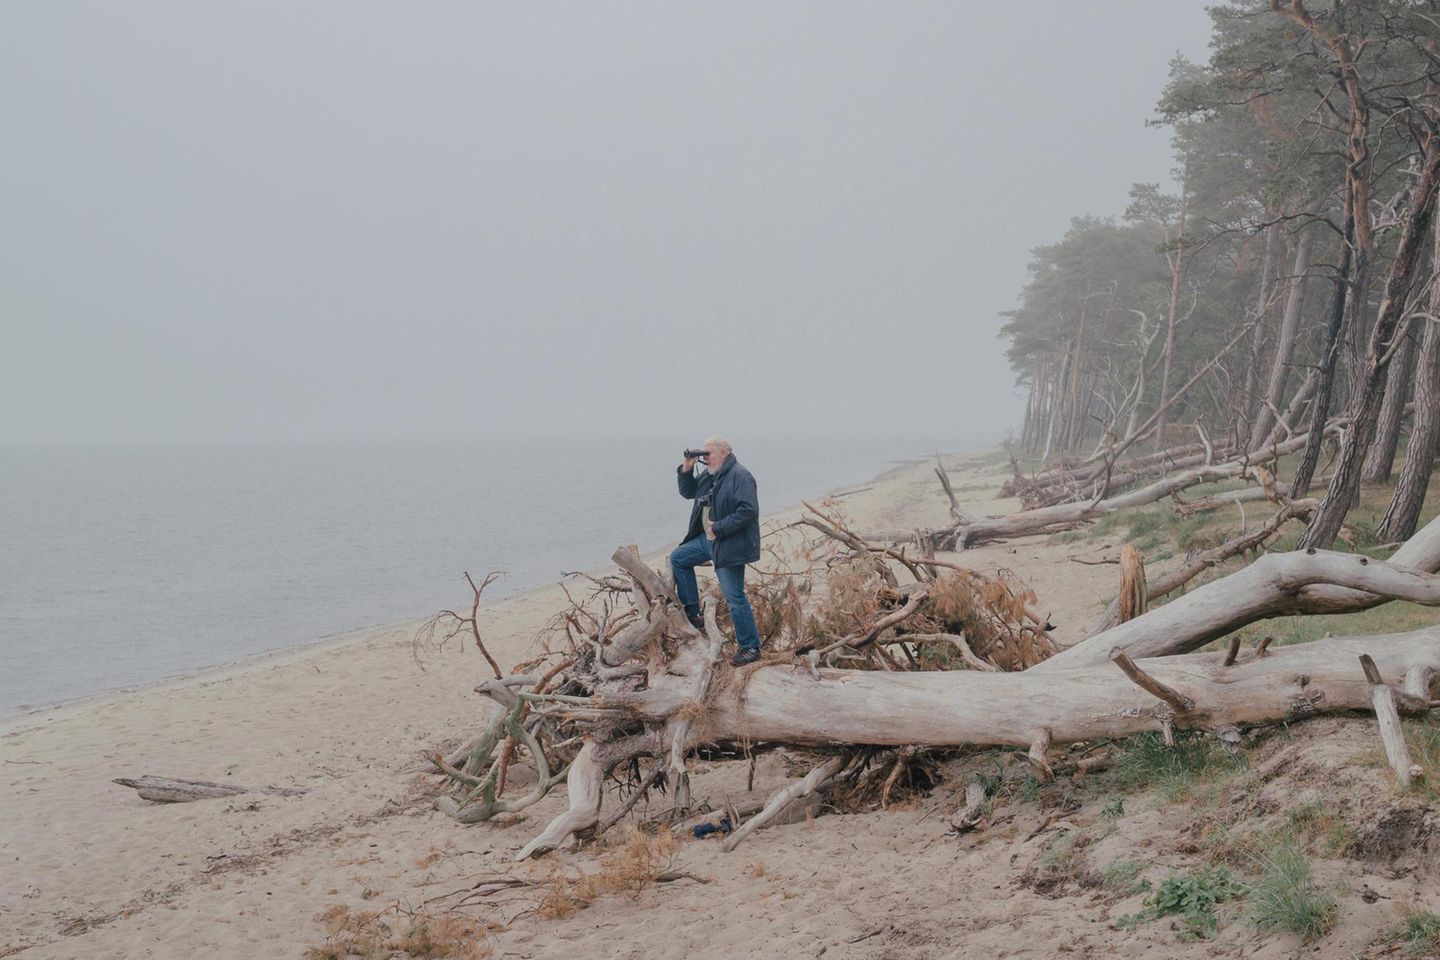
281, 221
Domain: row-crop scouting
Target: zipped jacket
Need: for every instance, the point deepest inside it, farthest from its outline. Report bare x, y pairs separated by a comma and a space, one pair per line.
734, 511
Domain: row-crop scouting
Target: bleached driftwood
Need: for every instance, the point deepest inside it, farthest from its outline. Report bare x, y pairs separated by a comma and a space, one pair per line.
1387, 715
1088, 702
175, 790
1137, 677
1276, 585
803, 787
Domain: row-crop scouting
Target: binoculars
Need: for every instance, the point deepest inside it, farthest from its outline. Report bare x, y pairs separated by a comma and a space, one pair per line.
698, 454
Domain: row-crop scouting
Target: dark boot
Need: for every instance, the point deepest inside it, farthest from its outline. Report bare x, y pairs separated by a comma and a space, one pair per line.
746, 655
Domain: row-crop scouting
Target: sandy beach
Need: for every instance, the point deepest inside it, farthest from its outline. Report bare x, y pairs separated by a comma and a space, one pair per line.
92, 871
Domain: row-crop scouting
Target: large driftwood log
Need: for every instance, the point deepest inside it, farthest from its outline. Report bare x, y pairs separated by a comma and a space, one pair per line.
1089, 702
1276, 585
781, 703
1134, 678
1199, 563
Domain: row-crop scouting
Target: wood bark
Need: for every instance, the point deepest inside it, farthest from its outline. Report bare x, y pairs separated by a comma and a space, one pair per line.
1285, 341
1086, 702
1387, 715
1345, 483
1245, 420
1399, 381
1403, 512
176, 790
1276, 585
1066, 515
1329, 357
1177, 273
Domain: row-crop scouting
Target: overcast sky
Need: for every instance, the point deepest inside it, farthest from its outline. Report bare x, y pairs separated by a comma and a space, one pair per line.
303, 221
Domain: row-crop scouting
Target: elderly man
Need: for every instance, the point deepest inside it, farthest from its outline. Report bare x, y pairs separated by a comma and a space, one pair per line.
724, 530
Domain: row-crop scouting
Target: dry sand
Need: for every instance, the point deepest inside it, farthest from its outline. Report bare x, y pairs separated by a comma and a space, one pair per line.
92, 871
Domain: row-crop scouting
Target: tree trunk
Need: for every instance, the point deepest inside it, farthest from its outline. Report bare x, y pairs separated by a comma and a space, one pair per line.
174, 790
1245, 431
1285, 342
779, 703
1177, 271
1276, 585
1329, 356
1399, 380
1403, 513
1345, 483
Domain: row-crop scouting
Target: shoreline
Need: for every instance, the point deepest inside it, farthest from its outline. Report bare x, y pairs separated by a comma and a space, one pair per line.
348, 722
22, 717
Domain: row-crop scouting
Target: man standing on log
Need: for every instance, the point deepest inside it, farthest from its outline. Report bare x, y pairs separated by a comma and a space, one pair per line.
724, 530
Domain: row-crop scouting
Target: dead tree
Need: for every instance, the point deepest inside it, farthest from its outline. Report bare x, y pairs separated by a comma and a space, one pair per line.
656, 690
1067, 515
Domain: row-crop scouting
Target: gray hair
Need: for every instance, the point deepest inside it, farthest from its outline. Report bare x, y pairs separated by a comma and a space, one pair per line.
719, 441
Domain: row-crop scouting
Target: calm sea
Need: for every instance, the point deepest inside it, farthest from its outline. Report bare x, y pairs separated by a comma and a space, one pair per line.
125, 565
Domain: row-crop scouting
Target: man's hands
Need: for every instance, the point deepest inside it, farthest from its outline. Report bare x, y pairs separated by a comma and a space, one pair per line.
689, 463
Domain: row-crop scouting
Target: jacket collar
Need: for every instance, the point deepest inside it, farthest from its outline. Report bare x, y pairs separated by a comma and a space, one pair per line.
729, 462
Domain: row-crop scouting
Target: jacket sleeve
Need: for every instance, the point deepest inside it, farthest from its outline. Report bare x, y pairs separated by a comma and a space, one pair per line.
747, 508
688, 482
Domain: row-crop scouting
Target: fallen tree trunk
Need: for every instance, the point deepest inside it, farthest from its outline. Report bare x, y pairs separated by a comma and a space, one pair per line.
1067, 515
1090, 702
1063, 516
1198, 564
1084, 485
1096, 701
1276, 585
1130, 679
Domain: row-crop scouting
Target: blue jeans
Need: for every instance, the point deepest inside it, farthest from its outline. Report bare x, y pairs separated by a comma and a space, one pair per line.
683, 562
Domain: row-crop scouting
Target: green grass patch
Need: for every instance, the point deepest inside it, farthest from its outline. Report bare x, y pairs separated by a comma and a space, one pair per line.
1285, 899
1145, 762
1419, 932
1397, 616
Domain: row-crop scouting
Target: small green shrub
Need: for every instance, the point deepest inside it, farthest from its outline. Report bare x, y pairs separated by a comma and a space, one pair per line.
1284, 898
1192, 897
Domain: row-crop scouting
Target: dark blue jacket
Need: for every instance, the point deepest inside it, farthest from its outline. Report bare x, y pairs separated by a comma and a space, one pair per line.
734, 511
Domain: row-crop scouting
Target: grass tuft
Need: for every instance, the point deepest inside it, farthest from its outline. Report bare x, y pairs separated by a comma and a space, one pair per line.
1419, 932
1122, 877
1145, 761
1285, 899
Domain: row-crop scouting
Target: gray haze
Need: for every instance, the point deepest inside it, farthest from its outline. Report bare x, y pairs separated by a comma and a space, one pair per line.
301, 221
